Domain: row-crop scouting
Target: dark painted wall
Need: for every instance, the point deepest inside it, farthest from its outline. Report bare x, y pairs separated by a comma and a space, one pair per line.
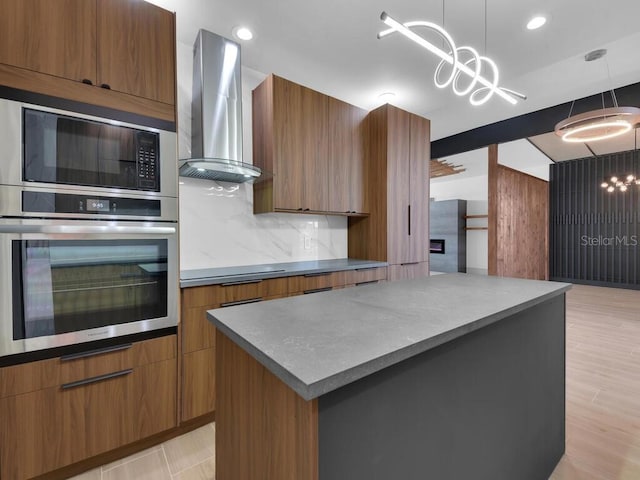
594, 235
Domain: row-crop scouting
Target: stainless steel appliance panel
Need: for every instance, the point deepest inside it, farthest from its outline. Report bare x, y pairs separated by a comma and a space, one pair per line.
12, 136
68, 282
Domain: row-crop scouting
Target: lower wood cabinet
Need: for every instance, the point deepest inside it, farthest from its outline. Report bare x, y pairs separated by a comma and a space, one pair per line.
48, 428
199, 335
198, 383
408, 270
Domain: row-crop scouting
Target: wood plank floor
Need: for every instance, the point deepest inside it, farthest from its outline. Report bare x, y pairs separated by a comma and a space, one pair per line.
603, 401
603, 385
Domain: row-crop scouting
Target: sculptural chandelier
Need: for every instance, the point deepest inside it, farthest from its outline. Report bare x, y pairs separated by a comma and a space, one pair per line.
459, 60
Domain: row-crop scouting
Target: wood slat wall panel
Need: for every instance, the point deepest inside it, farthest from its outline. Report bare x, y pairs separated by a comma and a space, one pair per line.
518, 222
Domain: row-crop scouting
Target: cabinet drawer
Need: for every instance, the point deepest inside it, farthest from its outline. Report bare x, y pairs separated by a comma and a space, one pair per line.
302, 283
409, 270
50, 428
215, 295
366, 275
29, 377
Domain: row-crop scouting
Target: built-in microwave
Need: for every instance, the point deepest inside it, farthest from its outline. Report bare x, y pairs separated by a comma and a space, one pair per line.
45, 147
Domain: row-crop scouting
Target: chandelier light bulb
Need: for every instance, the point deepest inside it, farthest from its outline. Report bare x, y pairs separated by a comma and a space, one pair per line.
604, 184
614, 179
630, 178
623, 188
610, 189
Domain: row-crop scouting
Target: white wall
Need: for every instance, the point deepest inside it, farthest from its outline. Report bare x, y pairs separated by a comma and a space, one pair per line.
217, 224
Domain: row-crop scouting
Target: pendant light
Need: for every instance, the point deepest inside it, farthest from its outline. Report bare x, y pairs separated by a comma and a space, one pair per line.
601, 124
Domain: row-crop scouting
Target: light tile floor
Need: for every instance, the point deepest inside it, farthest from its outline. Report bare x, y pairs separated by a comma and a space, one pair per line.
188, 457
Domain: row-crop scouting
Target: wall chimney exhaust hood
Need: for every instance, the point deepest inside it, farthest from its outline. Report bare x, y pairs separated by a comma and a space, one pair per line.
216, 113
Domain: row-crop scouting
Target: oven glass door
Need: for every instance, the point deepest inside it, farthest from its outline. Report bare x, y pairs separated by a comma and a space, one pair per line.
60, 149
74, 285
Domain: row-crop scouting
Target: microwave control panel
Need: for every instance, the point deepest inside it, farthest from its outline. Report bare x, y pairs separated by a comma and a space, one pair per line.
147, 161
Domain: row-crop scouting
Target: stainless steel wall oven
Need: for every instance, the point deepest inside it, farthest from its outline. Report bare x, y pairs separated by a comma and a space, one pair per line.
88, 228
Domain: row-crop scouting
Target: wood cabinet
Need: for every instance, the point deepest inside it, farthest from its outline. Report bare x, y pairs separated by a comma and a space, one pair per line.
136, 49
56, 37
113, 53
397, 228
307, 140
198, 336
60, 411
346, 156
199, 388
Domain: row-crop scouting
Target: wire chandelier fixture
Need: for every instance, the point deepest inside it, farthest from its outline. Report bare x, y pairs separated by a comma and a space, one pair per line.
623, 183
459, 60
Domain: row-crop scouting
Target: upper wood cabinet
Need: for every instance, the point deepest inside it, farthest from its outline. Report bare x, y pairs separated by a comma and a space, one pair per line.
56, 37
347, 149
397, 228
136, 49
71, 48
308, 141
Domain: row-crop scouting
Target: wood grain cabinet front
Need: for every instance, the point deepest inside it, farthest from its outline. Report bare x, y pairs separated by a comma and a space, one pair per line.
46, 427
119, 54
397, 228
198, 336
314, 146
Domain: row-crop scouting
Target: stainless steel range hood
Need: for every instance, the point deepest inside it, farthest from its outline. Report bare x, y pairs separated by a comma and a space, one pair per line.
216, 113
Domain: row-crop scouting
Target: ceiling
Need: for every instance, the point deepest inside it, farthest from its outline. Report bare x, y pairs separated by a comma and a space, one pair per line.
331, 46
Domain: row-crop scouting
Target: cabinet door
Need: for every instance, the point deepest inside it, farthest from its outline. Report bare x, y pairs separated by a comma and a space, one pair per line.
56, 37
420, 149
136, 49
346, 157
198, 383
300, 147
154, 398
398, 178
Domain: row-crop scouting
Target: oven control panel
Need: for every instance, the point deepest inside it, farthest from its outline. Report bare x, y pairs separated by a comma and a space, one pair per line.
47, 202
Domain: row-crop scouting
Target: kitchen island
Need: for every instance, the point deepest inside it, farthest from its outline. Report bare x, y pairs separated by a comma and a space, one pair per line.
448, 377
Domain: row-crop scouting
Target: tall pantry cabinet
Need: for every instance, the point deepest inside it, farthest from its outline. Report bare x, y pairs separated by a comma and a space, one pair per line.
396, 231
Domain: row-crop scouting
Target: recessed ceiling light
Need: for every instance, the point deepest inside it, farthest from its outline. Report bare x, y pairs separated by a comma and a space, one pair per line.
536, 22
386, 97
242, 33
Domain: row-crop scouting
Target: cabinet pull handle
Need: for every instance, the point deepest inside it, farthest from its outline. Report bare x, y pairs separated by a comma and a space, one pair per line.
240, 302
99, 378
86, 81
317, 290
240, 282
93, 353
409, 217
105, 86
365, 269
410, 263
318, 274
306, 209
366, 283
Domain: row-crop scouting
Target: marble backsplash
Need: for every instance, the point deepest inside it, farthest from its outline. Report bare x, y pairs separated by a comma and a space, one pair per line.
217, 224
218, 229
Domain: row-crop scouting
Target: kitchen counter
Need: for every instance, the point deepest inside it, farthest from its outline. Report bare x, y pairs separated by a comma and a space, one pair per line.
247, 273
321, 342
394, 380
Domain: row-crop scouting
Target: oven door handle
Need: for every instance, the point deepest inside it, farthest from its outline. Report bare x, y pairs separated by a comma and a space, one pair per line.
88, 229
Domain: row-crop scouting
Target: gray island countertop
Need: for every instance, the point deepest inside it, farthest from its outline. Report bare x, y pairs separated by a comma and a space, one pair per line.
247, 273
321, 342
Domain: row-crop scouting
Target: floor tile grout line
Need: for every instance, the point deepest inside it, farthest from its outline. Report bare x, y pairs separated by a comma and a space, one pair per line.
166, 460
127, 460
193, 466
